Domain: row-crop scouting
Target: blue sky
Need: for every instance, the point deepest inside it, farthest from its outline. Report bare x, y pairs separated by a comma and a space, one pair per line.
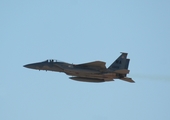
78, 32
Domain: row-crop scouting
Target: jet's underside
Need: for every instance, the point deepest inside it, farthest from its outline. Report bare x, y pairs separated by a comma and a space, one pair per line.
92, 75
84, 79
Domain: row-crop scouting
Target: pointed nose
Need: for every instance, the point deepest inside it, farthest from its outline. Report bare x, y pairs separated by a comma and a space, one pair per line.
24, 65
28, 66
32, 66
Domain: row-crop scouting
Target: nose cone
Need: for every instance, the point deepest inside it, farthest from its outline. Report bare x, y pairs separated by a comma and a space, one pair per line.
25, 66
29, 66
32, 66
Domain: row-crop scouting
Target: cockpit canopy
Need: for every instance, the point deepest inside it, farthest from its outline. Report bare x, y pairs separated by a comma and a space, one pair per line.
52, 60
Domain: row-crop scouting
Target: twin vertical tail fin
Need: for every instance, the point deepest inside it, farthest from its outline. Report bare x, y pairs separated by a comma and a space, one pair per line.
120, 67
120, 63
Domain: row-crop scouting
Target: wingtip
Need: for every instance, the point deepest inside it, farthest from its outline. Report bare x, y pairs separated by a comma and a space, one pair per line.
123, 52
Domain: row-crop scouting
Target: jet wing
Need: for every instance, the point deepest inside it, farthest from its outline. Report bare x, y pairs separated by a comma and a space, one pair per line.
99, 65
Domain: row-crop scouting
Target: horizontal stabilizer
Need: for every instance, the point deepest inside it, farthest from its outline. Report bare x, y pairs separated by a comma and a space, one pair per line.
122, 71
127, 79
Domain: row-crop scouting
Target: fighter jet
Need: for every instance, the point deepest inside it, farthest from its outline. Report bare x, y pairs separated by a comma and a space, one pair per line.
88, 72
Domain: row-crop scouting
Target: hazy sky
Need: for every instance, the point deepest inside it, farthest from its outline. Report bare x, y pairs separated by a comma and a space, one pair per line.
78, 31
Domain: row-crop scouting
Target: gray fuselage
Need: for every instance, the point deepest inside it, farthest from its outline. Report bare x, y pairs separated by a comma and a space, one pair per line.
73, 70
